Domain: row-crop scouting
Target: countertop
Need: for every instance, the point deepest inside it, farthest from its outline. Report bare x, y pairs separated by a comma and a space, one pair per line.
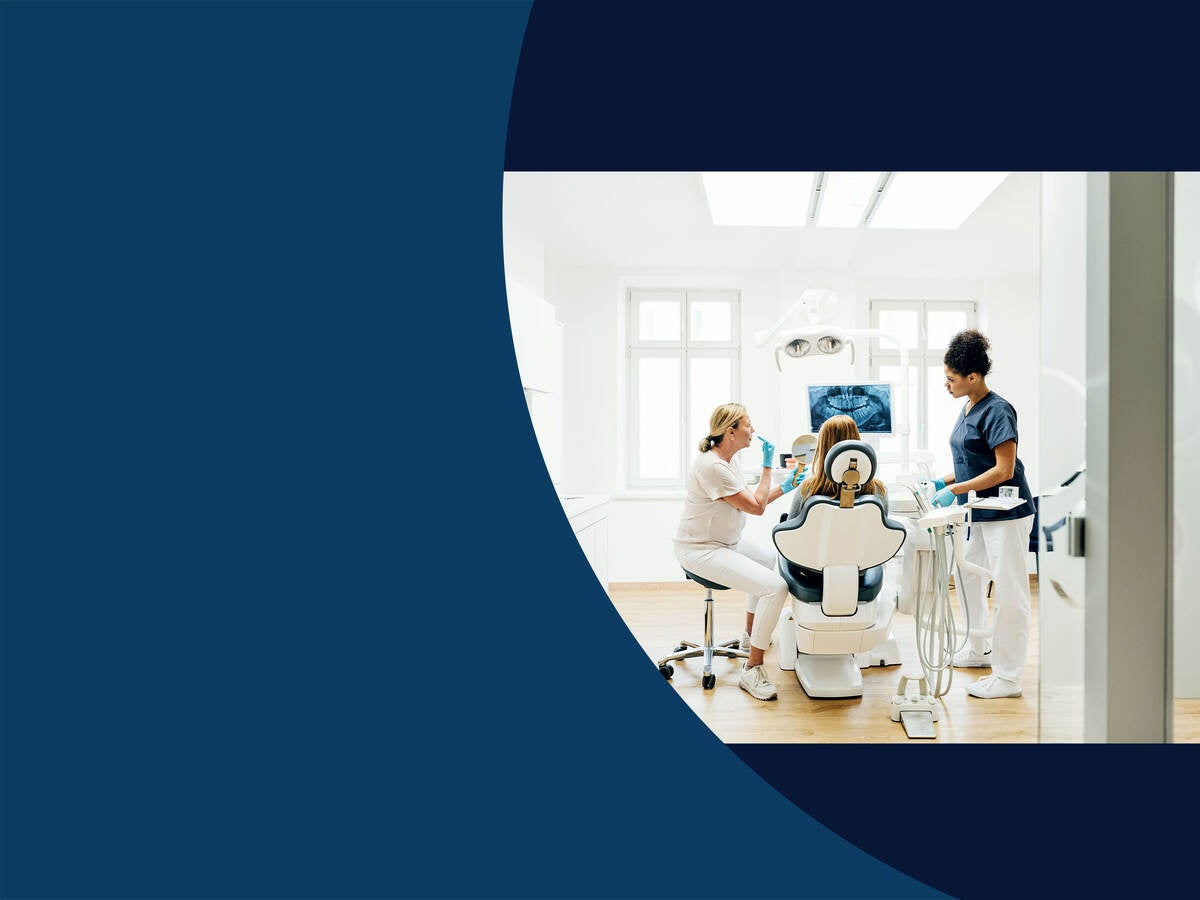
574, 504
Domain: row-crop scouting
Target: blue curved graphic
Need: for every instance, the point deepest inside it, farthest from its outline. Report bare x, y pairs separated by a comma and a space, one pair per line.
288, 607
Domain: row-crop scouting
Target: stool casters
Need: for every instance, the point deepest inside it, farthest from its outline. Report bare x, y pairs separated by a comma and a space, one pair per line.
708, 649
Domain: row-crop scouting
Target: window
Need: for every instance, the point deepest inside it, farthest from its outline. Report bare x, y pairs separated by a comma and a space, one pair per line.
683, 361
924, 327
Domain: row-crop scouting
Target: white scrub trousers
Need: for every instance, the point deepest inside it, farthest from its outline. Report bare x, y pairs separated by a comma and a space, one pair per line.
1000, 547
746, 567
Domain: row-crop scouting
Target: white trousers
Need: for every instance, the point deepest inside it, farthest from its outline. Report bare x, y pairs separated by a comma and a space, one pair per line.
745, 567
1000, 547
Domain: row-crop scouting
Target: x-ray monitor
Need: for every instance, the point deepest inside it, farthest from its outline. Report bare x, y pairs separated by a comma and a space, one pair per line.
868, 404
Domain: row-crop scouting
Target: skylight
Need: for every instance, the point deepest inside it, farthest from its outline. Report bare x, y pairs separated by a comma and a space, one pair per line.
758, 198
933, 199
845, 197
917, 200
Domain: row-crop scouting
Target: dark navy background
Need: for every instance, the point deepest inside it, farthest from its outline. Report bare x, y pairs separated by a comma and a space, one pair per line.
257, 641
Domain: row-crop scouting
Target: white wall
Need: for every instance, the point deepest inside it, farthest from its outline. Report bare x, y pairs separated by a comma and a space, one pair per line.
585, 302
1062, 419
524, 248
1186, 613
590, 303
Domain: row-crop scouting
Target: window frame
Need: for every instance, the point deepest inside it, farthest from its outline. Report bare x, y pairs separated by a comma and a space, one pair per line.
920, 357
684, 350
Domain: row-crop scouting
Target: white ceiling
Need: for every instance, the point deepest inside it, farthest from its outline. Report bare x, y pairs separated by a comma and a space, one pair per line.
660, 219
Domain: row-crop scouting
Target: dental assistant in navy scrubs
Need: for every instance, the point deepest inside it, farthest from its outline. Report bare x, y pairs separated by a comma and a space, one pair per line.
983, 446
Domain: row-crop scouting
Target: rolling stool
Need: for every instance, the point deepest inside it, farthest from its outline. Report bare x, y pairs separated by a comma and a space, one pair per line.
708, 650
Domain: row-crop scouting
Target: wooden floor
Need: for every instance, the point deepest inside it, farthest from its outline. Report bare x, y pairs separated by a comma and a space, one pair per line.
1187, 722
661, 614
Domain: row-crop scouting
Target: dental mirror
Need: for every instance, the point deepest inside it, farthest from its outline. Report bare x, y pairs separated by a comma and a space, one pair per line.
804, 448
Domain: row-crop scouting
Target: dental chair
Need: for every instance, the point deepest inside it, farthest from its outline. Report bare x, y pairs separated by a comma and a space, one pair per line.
831, 554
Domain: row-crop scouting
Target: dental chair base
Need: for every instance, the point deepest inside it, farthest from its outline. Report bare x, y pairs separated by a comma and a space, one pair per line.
886, 653
826, 652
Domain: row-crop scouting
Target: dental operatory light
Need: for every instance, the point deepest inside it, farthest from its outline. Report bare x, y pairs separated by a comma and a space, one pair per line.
847, 200
818, 304
802, 341
830, 343
798, 348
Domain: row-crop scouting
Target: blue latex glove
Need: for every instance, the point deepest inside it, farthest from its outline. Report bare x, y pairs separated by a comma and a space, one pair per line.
768, 452
938, 484
793, 481
944, 497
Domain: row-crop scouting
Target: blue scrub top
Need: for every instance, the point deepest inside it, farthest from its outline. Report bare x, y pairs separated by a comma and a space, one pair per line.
976, 434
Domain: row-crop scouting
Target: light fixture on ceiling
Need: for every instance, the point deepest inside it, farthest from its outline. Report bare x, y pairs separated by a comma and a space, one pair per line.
933, 199
758, 198
915, 200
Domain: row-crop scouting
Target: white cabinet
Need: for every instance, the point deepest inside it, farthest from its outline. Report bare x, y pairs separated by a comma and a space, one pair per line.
588, 515
546, 412
537, 339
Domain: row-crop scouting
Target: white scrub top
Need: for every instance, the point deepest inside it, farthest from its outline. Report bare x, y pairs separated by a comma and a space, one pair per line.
706, 518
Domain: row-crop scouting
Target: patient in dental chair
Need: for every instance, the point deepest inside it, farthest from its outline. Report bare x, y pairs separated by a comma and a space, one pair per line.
835, 429
834, 563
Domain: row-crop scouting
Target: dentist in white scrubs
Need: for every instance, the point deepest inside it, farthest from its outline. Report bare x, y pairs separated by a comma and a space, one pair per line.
708, 541
983, 445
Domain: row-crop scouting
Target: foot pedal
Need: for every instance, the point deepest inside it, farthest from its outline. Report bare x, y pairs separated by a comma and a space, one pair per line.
913, 707
917, 724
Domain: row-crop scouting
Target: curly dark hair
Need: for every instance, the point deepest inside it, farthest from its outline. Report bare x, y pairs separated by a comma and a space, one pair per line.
968, 352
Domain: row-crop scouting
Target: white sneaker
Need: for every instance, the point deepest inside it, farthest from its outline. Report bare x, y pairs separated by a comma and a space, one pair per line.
966, 658
756, 683
992, 686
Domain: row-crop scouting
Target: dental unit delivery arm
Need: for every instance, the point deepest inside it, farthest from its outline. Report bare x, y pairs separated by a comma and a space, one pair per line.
936, 632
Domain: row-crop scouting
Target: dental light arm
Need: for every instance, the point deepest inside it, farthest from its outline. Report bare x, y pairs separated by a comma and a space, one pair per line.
761, 338
814, 299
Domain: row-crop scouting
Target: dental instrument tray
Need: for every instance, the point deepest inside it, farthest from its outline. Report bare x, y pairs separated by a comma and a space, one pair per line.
996, 503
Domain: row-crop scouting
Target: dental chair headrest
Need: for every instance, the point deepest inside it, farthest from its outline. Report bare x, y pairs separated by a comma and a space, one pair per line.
843, 453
